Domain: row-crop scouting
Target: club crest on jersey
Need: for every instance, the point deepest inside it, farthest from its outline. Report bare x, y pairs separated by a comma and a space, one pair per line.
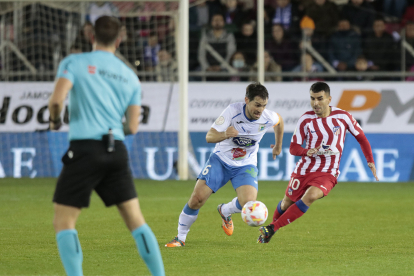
326, 150
336, 130
238, 153
261, 127
244, 142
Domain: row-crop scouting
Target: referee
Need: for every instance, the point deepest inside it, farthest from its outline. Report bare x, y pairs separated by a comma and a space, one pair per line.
102, 90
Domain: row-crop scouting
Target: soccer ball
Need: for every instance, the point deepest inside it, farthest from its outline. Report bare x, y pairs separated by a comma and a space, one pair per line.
254, 213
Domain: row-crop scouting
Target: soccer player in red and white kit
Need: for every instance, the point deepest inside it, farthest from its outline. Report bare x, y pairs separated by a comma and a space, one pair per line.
316, 173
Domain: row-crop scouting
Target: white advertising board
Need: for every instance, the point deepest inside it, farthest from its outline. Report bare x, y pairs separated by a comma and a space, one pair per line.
382, 107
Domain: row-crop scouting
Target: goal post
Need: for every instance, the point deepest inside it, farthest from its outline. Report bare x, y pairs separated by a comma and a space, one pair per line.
183, 135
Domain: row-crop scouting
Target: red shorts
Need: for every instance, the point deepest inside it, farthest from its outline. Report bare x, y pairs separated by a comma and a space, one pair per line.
298, 184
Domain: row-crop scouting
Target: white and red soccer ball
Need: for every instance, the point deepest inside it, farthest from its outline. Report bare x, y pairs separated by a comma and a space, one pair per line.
254, 213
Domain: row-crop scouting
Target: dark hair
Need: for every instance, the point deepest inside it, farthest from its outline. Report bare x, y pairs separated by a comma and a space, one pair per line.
320, 86
216, 14
379, 18
256, 89
107, 30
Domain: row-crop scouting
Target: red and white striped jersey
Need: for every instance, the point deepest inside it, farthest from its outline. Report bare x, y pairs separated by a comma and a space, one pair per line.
328, 132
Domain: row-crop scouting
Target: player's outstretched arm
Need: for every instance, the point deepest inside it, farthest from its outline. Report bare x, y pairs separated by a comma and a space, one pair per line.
366, 150
277, 147
213, 136
132, 119
62, 88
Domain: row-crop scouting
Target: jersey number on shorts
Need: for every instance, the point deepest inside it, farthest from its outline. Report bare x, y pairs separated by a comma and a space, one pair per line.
205, 171
294, 184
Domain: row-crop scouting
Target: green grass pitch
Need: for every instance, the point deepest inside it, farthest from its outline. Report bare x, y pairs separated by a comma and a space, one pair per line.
359, 229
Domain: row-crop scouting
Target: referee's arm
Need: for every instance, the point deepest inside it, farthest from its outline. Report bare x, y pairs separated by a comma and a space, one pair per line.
62, 88
132, 119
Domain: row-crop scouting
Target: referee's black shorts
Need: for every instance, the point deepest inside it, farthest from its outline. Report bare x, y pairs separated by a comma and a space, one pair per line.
87, 166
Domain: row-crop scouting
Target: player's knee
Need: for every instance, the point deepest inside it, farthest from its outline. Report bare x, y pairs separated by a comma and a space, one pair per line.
311, 197
196, 201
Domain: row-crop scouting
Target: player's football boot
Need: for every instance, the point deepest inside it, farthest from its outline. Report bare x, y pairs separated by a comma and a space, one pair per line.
266, 233
227, 223
175, 243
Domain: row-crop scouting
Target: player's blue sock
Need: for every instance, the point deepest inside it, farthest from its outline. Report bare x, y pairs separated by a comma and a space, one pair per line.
149, 250
238, 204
70, 251
188, 211
302, 206
279, 208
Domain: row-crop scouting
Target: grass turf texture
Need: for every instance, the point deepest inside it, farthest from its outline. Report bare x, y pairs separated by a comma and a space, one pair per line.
359, 229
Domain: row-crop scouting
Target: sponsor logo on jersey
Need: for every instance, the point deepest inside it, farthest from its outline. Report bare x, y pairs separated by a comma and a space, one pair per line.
313, 131
290, 191
220, 120
244, 142
262, 127
238, 153
336, 130
326, 150
91, 69
241, 122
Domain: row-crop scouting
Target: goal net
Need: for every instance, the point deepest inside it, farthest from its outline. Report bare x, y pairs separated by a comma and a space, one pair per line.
36, 35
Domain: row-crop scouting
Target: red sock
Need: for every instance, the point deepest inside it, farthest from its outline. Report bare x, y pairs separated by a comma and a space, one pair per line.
278, 212
290, 215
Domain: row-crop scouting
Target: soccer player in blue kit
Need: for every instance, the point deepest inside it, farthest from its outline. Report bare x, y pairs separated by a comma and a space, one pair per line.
101, 90
237, 133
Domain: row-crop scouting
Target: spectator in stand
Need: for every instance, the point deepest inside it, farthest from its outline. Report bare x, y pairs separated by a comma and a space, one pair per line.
83, 42
247, 42
233, 15
98, 9
238, 62
282, 49
127, 47
221, 42
408, 15
286, 14
166, 68
325, 14
361, 65
394, 8
200, 15
317, 41
360, 14
270, 66
409, 37
310, 65
344, 46
151, 49
379, 48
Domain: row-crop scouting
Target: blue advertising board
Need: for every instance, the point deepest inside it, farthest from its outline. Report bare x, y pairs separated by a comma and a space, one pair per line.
153, 156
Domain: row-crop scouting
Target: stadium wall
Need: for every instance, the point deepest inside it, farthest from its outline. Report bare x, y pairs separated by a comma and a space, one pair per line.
385, 110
